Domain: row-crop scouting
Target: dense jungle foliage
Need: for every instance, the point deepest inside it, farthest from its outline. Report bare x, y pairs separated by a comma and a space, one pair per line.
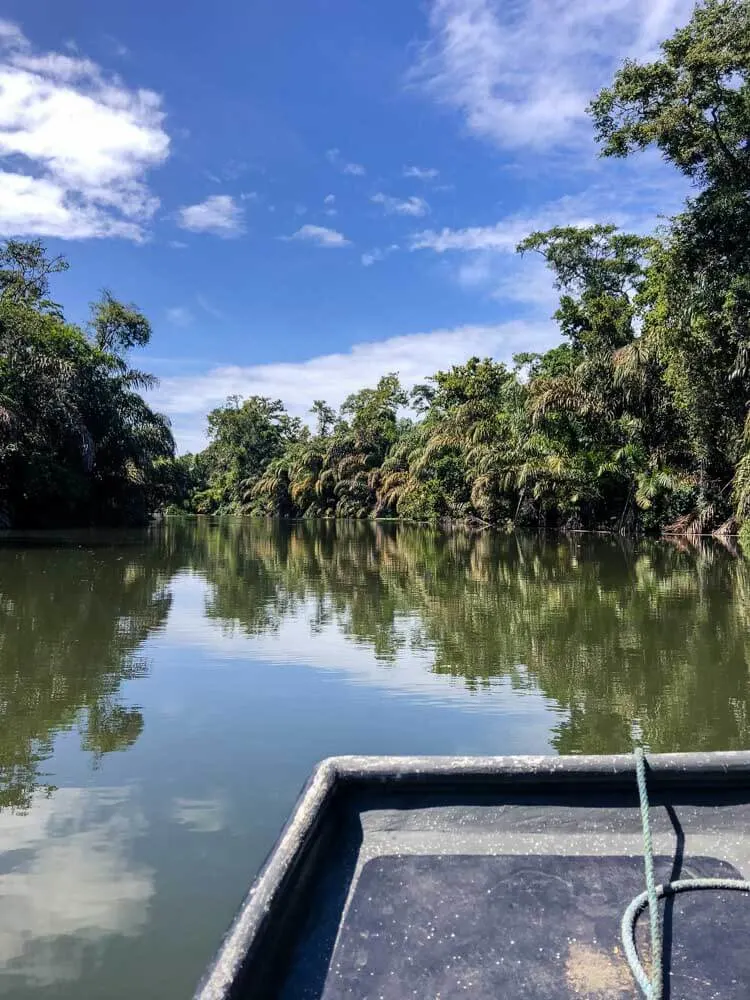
637, 421
78, 443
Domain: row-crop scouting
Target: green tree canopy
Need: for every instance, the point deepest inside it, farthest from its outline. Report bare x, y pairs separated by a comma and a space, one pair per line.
78, 443
639, 420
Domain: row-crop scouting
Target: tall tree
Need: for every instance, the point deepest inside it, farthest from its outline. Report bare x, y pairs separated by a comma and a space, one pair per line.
245, 437
78, 443
25, 270
693, 103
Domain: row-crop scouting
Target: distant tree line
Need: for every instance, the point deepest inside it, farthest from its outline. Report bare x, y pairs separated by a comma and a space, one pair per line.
637, 421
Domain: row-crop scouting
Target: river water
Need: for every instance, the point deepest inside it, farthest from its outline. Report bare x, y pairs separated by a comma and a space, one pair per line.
165, 693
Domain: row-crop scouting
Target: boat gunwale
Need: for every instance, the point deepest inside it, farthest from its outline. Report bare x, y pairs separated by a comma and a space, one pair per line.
334, 774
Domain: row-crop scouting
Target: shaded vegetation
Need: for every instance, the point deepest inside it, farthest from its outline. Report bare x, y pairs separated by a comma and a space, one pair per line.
78, 443
637, 421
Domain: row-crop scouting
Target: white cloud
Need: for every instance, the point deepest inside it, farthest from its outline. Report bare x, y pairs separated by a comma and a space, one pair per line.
177, 244
396, 206
505, 235
76, 144
421, 173
372, 256
10, 33
31, 206
486, 257
526, 282
334, 158
187, 399
72, 882
521, 75
631, 200
200, 815
320, 235
179, 316
219, 215
119, 48
330, 199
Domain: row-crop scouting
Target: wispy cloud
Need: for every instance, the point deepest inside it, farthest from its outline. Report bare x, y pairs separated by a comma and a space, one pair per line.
401, 206
378, 253
334, 158
209, 308
421, 173
505, 235
525, 282
200, 815
320, 235
522, 75
484, 258
219, 215
179, 316
633, 200
187, 399
118, 48
330, 199
177, 244
232, 170
78, 145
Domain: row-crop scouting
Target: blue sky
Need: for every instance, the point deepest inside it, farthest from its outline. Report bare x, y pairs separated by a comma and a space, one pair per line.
305, 194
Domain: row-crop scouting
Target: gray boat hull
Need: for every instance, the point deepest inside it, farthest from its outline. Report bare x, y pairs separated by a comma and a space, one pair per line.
492, 877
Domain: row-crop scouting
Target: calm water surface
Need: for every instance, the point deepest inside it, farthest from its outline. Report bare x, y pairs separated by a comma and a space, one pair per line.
164, 695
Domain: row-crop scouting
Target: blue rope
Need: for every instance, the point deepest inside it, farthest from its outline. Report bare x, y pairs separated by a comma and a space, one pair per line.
653, 988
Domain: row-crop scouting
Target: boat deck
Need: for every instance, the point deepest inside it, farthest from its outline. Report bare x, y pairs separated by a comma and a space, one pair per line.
393, 889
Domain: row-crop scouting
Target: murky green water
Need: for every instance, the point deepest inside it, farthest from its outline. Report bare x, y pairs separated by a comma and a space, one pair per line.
164, 694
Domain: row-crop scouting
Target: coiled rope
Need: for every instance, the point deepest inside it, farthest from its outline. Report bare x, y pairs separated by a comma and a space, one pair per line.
653, 988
